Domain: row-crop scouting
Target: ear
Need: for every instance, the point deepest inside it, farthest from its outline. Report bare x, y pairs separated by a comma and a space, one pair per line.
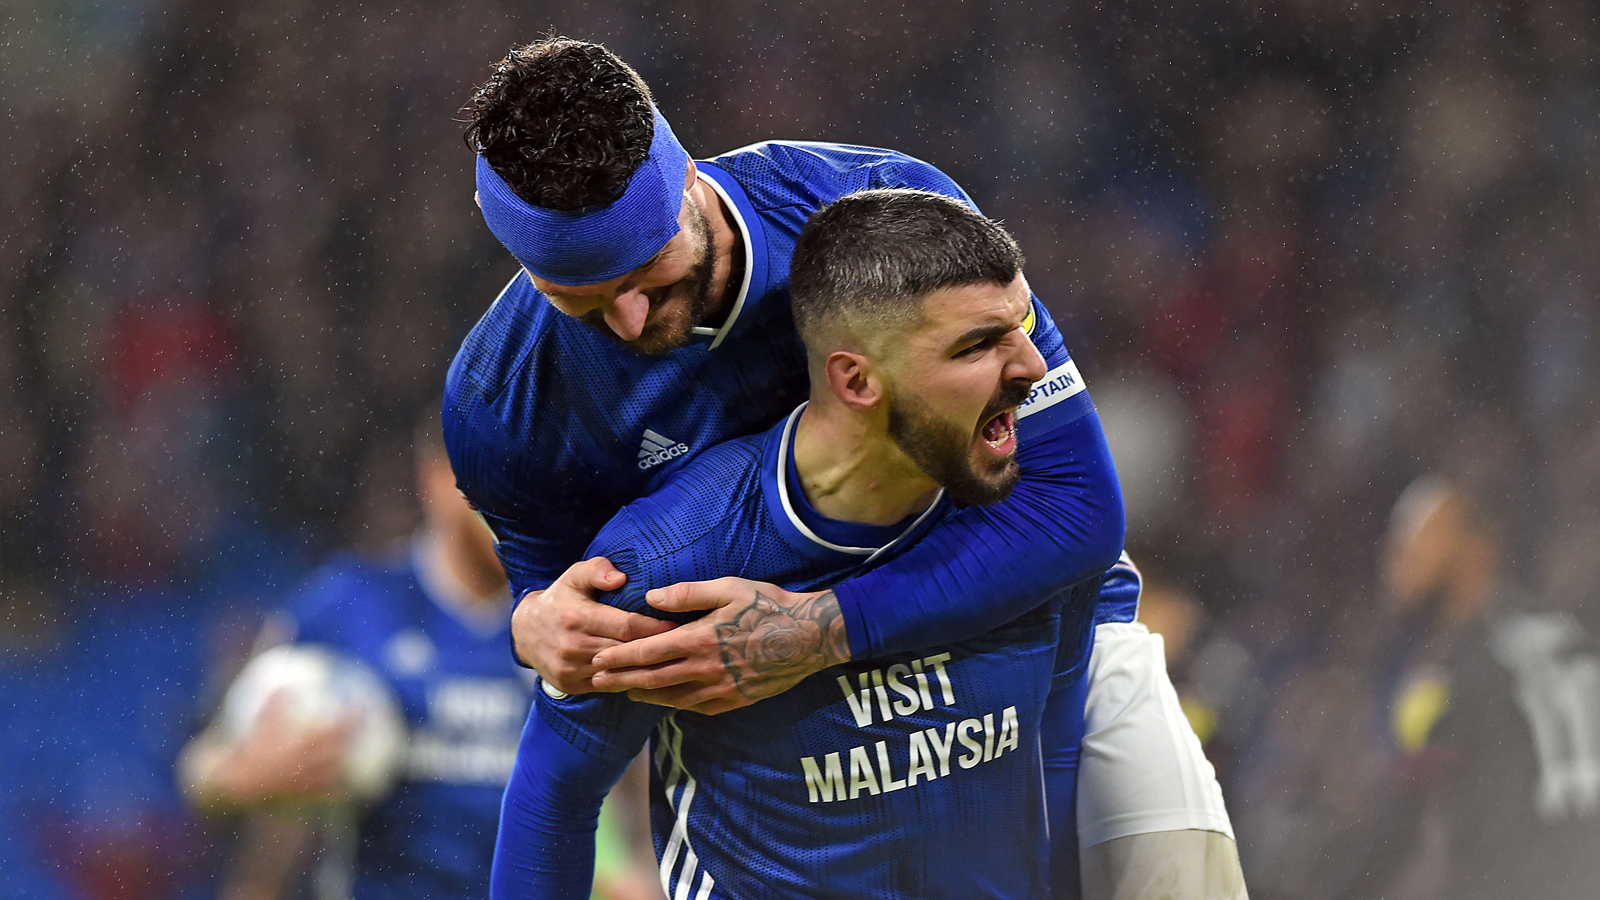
853, 380
688, 179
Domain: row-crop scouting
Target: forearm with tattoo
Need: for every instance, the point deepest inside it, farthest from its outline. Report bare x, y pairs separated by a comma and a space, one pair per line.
767, 647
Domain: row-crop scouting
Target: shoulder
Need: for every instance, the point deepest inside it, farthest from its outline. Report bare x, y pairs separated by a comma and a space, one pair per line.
487, 363
500, 390
515, 321
778, 173
705, 494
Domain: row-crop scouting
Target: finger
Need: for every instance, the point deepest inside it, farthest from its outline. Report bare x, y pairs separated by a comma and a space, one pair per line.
677, 643
594, 576
659, 676
572, 666
641, 627
707, 699
612, 624
676, 696
718, 704
571, 682
692, 595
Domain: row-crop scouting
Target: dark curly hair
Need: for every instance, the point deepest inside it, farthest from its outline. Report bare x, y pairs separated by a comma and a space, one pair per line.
564, 122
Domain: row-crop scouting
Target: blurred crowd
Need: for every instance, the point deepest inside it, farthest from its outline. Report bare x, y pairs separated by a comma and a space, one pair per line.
1303, 251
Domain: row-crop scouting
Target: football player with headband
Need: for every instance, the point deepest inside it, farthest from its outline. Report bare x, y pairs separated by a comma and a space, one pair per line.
650, 321
920, 774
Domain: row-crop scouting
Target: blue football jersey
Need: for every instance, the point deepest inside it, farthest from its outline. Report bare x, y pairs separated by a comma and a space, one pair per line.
464, 701
552, 428
915, 775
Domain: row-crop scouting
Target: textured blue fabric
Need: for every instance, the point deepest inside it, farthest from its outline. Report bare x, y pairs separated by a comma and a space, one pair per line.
545, 846
745, 804
1061, 737
1119, 593
594, 244
464, 700
546, 421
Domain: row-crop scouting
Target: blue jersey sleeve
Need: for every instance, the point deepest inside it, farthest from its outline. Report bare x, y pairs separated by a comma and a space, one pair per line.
1119, 593
1060, 737
1061, 734
573, 750
988, 564
607, 727
544, 849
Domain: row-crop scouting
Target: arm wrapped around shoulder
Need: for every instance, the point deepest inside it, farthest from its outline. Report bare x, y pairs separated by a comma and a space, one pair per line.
989, 564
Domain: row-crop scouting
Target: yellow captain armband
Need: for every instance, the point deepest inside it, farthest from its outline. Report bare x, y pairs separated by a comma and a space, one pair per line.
1417, 707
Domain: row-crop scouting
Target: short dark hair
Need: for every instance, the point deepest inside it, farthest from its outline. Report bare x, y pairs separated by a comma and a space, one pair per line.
564, 122
864, 262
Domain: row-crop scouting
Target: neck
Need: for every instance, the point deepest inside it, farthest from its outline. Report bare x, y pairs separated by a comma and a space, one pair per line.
852, 471
727, 273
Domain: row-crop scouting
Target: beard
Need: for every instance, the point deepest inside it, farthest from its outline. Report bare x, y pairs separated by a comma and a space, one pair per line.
944, 451
675, 320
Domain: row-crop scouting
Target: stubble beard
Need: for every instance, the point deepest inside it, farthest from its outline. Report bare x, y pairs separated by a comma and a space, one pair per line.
674, 325
945, 451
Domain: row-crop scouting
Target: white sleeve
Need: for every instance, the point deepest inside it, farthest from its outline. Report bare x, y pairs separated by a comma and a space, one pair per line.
1142, 769
1165, 865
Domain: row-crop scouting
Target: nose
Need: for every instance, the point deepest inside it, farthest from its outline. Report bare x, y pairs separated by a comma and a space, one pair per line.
1026, 363
626, 314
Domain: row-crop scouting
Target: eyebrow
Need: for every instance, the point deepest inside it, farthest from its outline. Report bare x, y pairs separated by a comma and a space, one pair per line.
982, 332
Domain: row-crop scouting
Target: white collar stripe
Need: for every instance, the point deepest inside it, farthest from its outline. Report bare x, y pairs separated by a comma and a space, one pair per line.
800, 526
749, 265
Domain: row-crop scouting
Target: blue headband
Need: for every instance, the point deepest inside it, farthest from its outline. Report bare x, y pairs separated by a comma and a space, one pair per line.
596, 243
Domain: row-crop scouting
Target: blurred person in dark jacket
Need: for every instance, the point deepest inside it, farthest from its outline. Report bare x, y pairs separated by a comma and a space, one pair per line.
1217, 678
1493, 711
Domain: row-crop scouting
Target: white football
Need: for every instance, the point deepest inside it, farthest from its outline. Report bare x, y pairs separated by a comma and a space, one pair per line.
320, 688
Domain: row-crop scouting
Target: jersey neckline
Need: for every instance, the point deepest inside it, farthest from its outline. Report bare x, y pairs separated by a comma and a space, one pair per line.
755, 248
795, 517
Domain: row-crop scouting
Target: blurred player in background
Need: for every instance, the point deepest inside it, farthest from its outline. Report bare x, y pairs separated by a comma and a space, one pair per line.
651, 322
915, 314
1493, 708
430, 620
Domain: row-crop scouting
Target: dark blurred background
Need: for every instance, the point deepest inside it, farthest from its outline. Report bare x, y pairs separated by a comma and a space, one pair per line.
1303, 251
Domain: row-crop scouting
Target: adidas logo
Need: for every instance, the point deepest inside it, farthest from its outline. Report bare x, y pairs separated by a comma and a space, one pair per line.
656, 449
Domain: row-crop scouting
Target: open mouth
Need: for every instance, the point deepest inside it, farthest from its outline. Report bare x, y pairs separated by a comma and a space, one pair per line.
1000, 433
